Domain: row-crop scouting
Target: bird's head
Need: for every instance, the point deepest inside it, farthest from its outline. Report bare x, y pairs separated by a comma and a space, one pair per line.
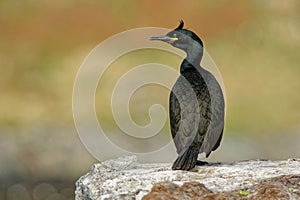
181, 38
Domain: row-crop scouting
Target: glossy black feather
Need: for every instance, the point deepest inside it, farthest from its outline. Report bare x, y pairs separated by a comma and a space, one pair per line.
189, 138
196, 102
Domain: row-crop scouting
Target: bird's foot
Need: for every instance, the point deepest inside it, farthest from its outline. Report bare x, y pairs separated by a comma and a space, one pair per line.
204, 163
201, 163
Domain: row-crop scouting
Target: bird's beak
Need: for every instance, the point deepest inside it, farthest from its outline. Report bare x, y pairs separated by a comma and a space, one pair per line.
164, 38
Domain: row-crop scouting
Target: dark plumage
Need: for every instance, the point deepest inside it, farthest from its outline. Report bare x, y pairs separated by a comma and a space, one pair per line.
196, 102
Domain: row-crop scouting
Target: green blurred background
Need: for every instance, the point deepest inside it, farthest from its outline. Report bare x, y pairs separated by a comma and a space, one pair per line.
255, 44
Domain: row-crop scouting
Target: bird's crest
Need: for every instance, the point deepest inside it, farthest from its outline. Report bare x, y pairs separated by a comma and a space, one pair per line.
180, 26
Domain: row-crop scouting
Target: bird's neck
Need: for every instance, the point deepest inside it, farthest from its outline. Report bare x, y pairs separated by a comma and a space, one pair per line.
186, 65
192, 59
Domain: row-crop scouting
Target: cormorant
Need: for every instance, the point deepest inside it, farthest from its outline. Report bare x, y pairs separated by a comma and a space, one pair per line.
196, 103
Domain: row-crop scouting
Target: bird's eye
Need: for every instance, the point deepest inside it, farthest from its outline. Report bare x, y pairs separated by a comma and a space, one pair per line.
174, 35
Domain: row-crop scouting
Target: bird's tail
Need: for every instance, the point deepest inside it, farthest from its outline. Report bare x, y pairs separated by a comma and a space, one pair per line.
187, 160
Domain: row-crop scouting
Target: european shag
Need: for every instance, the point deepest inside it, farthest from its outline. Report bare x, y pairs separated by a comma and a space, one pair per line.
196, 103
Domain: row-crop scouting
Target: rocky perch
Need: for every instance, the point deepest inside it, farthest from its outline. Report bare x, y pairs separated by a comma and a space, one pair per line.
126, 178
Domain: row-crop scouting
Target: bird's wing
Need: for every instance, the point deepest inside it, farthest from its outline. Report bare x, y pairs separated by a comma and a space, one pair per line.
184, 116
215, 129
174, 109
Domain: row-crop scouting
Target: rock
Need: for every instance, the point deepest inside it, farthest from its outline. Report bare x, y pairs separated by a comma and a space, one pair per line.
282, 187
168, 190
125, 178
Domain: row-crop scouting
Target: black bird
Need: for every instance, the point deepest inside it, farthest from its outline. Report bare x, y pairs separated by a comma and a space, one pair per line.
196, 103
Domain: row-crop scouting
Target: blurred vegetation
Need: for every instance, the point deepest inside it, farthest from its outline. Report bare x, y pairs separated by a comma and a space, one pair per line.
254, 43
